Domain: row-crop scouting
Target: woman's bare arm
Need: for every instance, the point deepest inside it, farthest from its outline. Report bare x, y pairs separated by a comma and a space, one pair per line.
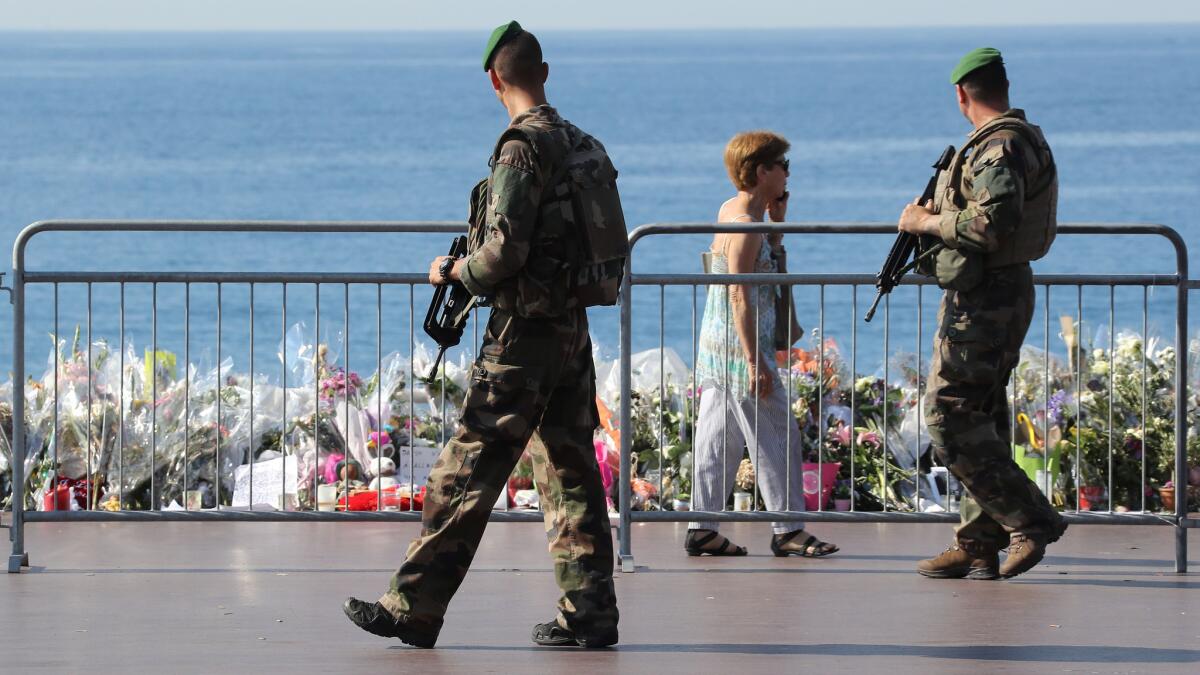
742, 252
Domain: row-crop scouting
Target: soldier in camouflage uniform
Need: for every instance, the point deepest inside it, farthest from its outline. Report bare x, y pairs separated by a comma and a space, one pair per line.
994, 209
532, 385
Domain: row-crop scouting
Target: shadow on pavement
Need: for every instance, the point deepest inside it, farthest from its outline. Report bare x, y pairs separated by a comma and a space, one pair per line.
1014, 653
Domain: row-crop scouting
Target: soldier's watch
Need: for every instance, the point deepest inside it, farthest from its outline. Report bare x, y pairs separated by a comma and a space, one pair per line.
444, 269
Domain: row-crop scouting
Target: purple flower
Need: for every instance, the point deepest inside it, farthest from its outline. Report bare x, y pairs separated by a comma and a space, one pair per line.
1056, 407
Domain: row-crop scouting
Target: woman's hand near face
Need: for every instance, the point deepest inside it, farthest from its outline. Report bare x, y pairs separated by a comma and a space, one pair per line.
777, 210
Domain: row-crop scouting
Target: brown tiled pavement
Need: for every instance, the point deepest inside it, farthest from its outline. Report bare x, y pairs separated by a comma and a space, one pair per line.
265, 598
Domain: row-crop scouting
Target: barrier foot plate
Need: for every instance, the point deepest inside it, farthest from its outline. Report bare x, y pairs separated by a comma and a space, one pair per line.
627, 566
16, 562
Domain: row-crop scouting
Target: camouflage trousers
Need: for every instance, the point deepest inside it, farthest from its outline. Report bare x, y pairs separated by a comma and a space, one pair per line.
966, 408
533, 385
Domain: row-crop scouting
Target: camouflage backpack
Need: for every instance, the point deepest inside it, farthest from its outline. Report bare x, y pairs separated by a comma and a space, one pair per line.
580, 197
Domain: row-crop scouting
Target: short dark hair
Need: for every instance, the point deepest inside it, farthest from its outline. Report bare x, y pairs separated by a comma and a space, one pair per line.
986, 83
518, 61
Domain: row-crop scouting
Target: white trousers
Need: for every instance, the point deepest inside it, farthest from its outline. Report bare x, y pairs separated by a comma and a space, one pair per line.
723, 426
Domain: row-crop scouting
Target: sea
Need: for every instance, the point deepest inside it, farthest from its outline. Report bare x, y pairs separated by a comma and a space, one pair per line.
399, 126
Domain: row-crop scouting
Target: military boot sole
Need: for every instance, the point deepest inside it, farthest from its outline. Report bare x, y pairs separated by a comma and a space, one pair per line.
550, 634
977, 574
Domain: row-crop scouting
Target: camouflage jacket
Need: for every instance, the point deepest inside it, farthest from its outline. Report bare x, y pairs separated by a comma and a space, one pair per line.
1002, 180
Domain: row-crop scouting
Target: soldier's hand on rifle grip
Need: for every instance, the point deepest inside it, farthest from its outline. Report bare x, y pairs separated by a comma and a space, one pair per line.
439, 276
918, 219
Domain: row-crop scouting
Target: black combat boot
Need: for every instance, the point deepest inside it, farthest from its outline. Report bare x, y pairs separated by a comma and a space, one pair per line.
374, 618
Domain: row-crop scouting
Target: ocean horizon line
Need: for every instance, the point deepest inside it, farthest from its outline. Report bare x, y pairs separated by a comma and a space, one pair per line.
602, 29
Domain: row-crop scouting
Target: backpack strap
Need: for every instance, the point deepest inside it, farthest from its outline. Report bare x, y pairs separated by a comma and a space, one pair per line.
541, 151
1025, 131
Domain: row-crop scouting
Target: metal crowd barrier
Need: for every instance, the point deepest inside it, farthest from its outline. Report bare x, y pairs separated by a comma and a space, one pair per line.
23, 278
1179, 281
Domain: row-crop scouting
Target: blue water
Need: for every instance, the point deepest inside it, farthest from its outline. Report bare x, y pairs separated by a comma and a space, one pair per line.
399, 126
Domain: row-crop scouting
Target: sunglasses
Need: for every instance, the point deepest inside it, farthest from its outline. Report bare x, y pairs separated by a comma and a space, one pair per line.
785, 163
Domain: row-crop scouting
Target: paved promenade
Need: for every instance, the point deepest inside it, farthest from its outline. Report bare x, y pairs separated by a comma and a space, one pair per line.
265, 598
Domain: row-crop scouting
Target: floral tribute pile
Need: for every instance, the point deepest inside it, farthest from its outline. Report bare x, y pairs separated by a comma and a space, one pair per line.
128, 431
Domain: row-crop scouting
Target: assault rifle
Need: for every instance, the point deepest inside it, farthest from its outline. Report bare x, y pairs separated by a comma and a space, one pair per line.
897, 263
447, 314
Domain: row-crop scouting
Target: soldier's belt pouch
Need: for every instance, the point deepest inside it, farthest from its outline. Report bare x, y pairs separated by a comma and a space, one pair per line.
957, 270
498, 377
965, 331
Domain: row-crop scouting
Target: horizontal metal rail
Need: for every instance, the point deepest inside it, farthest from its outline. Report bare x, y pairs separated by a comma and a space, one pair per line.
805, 279
224, 278
1082, 517
238, 514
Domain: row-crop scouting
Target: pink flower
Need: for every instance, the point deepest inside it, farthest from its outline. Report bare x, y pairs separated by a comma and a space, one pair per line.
842, 435
868, 438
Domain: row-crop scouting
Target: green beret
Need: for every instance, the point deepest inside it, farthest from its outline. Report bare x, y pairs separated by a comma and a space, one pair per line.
976, 58
499, 36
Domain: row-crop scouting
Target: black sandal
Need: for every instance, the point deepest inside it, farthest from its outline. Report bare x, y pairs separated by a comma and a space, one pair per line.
783, 545
695, 544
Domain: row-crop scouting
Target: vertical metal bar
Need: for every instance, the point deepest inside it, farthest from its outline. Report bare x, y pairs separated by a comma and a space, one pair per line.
121, 408
253, 440
887, 325
757, 394
920, 405
820, 400
787, 410
728, 396
187, 384
412, 400
379, 424
853, 389
662, 390
1078, 395
88, 446
316, 395
17, 533
624, 548
790, 416
1145, 344
283, 435
1046, 401
57, 367
1112, 343
695, 400
220, 424
155, 489
1181, 326
346, 379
